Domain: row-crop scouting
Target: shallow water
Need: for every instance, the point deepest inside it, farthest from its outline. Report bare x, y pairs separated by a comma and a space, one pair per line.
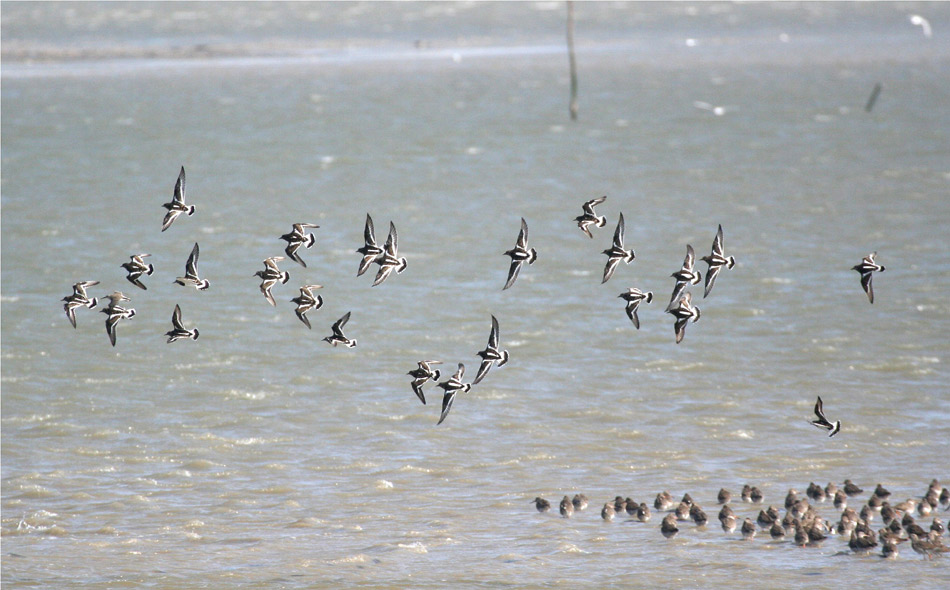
259, 456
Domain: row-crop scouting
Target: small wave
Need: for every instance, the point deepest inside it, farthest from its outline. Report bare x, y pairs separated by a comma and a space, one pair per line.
416, 547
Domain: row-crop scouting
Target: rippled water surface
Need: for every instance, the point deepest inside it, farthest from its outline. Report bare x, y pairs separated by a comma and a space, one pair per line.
259, 456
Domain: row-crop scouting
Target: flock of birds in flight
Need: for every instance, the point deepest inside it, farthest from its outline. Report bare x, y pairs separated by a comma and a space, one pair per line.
801, 520
387, 257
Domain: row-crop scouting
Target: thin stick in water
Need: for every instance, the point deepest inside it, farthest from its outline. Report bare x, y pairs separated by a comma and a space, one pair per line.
573, 61
873, 98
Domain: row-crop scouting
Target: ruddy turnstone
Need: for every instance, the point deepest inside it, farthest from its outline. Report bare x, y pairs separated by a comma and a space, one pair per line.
390, 260
663, 501
136, 267
634, 297
451, 387
579, 501
590, 218
643, 512
716, 260
270, 276
299, 237
822, 422
307, 301
724, 496
177, 205
607, 512
422, 374
178, 331
370, 250
79, 298
867, 267
338, 337
191, 273
684, 311
849, 487
686, 275
748, 529
115, 312
616, 252
491, 355
519, 255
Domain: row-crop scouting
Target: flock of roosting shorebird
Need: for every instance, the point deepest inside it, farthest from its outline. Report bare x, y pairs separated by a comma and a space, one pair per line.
801, 521
680, 306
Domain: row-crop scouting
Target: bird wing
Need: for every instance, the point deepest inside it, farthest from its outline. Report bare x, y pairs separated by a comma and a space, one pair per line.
589, 205
690, 258
680, 328
179, 194
392, 242
338, 326
447, 400
711, 275
612, 263
191, 266
618, 233
868, 287
417, 389
632, 314
482, 371
523, 235
369, 233
384, 271
513, 271
493, 336
458, 374
717, 242
176, 318
169, 218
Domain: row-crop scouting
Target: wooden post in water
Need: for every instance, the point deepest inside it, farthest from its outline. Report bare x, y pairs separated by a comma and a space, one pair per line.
573, 60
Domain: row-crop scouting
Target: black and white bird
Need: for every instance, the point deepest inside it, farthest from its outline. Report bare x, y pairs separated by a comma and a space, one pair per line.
867, 267
822, 422
270, 276
177, 205
136, 267
685, 276
684, 312
616, 252
191, 278
421, 375
519, 255
716, 260
338, 337
451, 387
590, 217
115, 312
307, 301
370, 250
179, 331
298, 237
634, 297
78, 299
390, 260
491, 355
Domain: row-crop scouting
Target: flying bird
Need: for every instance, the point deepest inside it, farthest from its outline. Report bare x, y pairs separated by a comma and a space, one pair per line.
686, 275
371, 250
684, 312
191, 278
338, 337
296, 238
177, 205
634, 297
491, 355
78, 299
616, 252
716, 260
178, 331
866, 267
390, 260
421, 375
822, 422
590, 217
451, 387
115, 312
519, 255
307, 301
270, 276
136, 267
